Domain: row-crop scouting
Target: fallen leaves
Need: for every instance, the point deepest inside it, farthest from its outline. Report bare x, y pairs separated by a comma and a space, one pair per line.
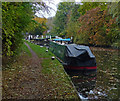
26, 81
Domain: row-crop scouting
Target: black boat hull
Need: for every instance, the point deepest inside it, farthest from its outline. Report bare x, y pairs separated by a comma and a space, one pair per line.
66, 55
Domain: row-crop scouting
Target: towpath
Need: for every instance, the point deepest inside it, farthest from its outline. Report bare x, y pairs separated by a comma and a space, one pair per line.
30, 83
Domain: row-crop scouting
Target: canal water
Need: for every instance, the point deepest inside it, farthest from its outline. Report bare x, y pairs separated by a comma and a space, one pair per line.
103, 84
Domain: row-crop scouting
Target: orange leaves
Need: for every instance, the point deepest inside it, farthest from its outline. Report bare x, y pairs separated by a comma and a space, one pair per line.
96, 24
40, 20
107, 30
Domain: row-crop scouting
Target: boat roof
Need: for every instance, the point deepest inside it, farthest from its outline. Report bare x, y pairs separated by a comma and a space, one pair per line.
75, 50
68, 39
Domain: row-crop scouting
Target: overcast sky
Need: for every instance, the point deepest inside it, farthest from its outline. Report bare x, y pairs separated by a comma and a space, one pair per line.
54, 6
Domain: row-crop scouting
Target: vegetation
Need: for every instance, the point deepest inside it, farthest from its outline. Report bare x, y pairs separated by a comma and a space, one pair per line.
92, 23
25, 50
60, 19
97, 28
17, 19
56, 74
41, 52
72, 21
40, 27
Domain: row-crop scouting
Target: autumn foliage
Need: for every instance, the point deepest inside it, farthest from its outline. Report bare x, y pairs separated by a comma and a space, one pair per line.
39, 26
92, 23
97, 27
40, 20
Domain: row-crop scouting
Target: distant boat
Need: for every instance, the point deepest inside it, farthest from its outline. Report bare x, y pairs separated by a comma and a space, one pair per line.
73, 57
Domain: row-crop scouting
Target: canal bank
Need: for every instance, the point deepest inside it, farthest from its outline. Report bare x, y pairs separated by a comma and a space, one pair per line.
36, 76
105, 84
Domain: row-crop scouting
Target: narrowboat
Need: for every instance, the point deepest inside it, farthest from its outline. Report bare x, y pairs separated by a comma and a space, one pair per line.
73, 57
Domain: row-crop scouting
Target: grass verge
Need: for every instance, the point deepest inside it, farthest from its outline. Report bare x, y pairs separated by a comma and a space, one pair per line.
56, 74
24, 49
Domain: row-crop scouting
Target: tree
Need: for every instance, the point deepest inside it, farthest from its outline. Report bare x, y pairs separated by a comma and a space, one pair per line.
40, 20
72, 23
15, 17
114, 10
40, 26
49, 23
98, 28
60, 19
39, 29
86, 6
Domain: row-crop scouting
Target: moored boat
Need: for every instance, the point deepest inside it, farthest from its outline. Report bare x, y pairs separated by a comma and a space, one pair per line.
74, 57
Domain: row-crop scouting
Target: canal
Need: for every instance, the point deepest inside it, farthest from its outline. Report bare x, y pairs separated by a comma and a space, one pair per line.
103, 84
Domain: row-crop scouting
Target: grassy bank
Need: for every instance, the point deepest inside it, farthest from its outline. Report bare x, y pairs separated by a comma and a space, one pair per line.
55, 72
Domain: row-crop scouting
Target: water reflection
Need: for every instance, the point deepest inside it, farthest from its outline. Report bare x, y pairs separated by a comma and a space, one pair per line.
108, 78
106, 86
83, 82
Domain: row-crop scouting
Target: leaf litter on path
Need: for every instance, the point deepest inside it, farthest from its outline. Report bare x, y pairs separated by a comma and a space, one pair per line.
30, 83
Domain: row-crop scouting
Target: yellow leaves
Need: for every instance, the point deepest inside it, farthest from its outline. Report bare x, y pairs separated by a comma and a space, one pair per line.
75, 77
44, 27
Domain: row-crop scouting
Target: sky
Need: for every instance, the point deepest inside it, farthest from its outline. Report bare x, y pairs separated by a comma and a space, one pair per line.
53, 5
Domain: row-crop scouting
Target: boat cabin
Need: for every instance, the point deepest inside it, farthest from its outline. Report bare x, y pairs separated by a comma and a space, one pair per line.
62, 41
